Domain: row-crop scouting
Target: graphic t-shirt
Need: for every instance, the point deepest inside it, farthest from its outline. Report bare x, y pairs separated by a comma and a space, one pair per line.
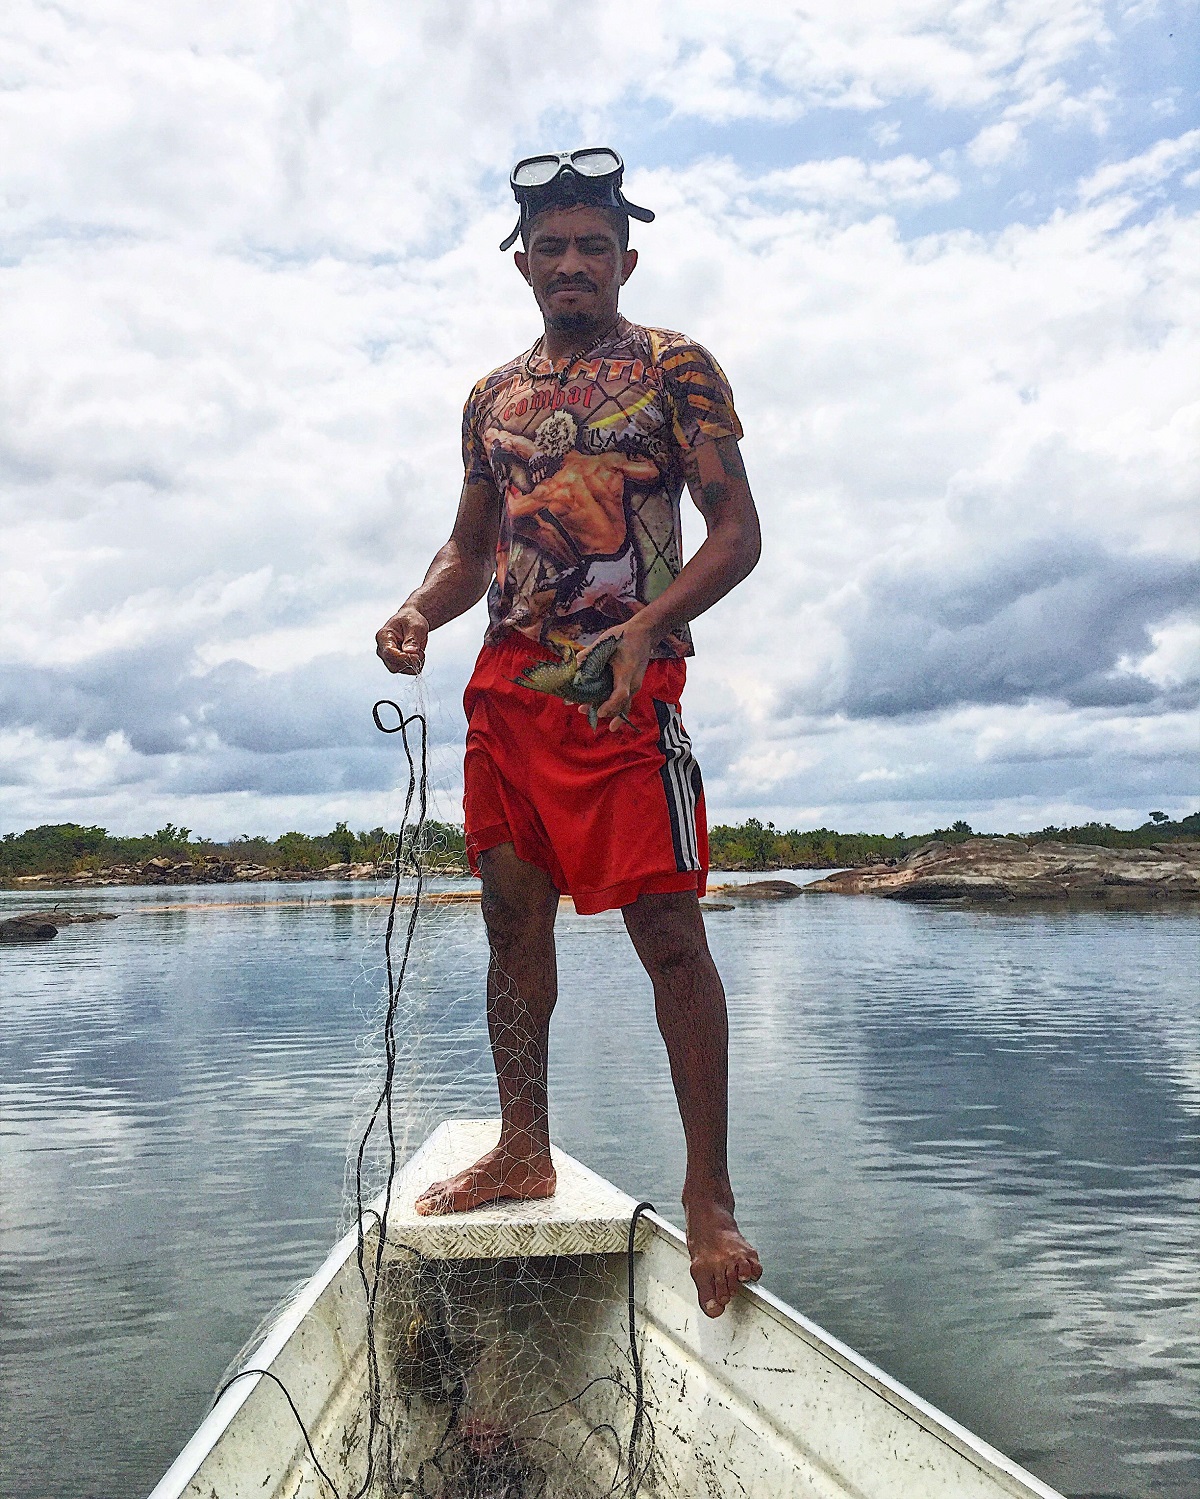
590, 472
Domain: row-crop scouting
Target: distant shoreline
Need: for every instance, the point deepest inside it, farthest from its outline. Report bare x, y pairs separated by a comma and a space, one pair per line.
89, 859
182, 876
50, 883
69, 856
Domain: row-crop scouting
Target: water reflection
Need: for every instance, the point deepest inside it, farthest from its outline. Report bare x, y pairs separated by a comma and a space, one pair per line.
966, 1144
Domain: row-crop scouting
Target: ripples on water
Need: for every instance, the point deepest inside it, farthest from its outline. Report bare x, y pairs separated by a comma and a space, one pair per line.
966, 1143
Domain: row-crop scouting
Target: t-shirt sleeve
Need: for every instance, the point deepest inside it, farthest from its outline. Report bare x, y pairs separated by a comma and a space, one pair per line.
476, 468
698, 397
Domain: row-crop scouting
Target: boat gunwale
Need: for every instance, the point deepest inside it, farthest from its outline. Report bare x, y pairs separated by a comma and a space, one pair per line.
283, 1328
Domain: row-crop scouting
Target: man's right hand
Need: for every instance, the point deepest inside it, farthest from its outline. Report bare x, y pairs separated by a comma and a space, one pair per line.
400, 645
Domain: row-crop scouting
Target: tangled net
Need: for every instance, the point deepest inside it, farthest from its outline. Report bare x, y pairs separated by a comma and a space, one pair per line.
516, 1378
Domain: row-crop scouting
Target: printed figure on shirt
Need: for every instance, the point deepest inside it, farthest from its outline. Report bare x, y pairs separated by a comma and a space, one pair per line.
591, 473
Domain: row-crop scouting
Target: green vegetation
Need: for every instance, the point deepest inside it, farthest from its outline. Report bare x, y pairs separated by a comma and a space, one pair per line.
1159, 829
68, 849
753, 845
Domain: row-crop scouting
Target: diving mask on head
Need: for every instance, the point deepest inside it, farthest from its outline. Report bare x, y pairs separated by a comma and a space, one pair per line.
561, 179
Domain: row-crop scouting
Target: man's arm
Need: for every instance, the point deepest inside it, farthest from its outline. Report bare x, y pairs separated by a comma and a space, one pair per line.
458, 577
716, 478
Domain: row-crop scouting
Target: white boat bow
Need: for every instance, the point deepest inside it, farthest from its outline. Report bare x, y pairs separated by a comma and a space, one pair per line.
759, 1402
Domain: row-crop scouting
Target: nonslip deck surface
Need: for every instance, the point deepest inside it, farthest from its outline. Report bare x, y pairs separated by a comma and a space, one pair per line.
586, 1215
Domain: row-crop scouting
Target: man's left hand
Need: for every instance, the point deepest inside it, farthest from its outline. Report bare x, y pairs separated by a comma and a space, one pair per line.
628, 663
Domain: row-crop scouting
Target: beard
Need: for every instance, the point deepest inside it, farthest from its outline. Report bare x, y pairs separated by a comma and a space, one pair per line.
576, 323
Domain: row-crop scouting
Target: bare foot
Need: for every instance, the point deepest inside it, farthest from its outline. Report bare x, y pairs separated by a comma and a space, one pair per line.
722, 1258
499, 1176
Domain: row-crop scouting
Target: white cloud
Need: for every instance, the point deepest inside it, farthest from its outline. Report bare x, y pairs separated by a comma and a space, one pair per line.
769, 61
995, 143
850, 180
250, 274
1148, 169
1175, 658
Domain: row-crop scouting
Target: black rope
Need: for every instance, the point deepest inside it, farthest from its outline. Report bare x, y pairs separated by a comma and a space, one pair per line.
266, 1374
408, 847
639, 1397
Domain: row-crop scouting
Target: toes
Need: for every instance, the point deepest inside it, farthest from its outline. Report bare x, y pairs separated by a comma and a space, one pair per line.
710, 1295
737, 1273
727, 1281
435, 1200
748, 1269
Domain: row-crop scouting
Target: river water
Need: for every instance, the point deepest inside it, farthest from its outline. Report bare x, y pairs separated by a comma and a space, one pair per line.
965, 1142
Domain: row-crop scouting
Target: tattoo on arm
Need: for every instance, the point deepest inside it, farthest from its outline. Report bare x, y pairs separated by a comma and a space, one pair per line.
713, 493
713, 474
731, 460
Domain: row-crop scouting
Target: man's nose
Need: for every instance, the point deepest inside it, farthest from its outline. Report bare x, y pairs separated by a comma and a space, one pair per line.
573, 262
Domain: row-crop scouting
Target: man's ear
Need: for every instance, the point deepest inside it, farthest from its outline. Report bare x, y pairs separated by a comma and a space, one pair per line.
627, 265
522, 263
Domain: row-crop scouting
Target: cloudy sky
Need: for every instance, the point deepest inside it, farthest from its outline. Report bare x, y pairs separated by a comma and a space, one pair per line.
946, 250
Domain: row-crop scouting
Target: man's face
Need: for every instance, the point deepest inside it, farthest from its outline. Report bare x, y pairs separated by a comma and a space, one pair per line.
576, 268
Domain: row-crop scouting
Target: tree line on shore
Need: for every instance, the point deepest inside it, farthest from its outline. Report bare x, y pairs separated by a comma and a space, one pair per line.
756, 845
67, 848
70, 849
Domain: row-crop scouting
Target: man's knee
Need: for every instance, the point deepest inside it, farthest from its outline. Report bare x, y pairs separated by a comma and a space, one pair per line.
668, 932
519, 901
507, 923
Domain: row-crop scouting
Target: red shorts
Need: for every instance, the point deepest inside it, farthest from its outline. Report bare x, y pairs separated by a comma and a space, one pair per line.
608, 816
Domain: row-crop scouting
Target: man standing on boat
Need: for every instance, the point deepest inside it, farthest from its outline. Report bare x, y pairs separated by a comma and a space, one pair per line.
576, 454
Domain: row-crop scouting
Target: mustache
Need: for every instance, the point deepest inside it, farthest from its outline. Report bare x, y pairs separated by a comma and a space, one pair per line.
570, 283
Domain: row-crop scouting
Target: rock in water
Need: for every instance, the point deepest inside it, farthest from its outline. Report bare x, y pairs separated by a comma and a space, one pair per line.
990, 870
19, 929
763, 890
67, 918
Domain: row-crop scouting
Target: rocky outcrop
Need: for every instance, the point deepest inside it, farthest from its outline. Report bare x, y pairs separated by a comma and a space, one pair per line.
59, 917
761, 890
159, 871
201, 871
1009, 869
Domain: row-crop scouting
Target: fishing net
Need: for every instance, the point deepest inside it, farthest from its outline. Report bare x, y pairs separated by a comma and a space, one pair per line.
463, 1377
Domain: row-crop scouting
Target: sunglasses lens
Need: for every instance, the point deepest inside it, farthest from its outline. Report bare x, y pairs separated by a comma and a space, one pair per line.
535, 171
597, 162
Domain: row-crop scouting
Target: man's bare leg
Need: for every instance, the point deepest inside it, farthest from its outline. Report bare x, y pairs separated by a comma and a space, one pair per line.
519, 907
689, 1001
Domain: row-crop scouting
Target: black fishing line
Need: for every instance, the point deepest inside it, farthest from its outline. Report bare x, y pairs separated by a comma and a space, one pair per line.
408, 846
639, 1397
408, 850
266, 1374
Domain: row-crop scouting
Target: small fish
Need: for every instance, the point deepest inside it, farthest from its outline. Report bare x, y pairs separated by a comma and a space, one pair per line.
588, 682
424, 1358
